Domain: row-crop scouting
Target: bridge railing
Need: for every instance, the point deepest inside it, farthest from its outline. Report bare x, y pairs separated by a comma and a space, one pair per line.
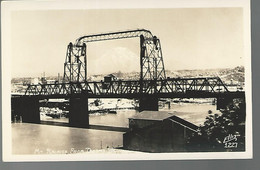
170, 85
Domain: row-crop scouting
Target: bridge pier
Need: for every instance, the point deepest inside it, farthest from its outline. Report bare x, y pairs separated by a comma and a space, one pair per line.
16, 105
78, 112
222, 103
148, 103
27, 108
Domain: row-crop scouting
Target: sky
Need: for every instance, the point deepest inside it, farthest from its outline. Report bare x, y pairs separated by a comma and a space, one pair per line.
191, 38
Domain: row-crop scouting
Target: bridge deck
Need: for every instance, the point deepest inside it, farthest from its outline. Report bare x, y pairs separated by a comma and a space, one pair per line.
238, 94
209, 87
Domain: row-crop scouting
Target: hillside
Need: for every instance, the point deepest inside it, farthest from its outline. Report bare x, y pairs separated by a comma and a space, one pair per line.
236, 75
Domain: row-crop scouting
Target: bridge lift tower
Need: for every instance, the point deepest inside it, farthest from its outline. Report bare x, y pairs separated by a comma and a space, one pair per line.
75, 68
151, 59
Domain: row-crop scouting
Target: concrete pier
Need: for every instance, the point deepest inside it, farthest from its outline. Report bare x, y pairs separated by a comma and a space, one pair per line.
27, 108
148, 103
78, 112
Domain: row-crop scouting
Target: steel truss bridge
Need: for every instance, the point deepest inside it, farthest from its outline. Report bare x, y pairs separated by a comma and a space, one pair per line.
210, 87
152, 79
152, 84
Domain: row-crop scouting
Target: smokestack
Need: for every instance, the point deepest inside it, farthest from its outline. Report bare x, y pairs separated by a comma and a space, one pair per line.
58, 77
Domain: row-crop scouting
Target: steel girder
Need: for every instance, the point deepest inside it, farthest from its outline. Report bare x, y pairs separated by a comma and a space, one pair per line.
114, 35
210, 85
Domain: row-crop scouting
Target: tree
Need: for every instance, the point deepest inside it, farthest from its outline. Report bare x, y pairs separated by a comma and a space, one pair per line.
230, 123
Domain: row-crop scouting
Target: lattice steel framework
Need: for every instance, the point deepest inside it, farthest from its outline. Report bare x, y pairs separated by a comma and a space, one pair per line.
75, 66
152, 66
192, 87
151, 60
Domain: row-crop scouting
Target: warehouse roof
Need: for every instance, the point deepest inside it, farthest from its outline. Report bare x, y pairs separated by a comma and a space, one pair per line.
153, 115
162, 115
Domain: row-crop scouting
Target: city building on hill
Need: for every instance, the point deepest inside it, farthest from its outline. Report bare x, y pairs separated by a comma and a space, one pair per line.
110, 77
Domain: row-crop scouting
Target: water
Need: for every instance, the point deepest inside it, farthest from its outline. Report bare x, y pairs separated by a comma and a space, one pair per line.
36, 139
195, 113
45, 139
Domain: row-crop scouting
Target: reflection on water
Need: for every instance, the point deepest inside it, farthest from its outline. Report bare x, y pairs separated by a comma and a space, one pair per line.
42, 139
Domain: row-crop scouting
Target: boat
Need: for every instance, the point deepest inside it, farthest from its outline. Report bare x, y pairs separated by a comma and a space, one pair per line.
112, 112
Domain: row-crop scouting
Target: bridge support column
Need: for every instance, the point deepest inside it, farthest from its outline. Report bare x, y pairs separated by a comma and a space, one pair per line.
222, 103
78, 112
148, 103
16, 105
27, 108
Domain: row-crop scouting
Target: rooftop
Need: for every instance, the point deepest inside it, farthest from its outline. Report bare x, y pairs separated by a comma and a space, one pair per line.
153, 115
110, 75
162, 115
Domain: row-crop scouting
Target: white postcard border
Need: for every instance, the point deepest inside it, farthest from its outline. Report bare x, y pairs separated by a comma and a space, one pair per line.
9, 7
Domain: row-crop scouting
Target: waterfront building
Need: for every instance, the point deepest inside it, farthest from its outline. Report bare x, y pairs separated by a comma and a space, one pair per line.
157, 131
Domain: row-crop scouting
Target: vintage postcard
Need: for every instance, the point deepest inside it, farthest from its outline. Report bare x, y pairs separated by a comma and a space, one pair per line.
110, 80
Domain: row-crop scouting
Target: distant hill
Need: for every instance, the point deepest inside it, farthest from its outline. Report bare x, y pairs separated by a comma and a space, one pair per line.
236, 75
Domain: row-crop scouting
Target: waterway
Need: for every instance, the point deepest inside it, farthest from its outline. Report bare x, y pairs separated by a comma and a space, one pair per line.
46, 139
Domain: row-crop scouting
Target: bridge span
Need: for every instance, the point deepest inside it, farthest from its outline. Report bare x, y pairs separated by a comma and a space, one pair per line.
148, 94
207, 87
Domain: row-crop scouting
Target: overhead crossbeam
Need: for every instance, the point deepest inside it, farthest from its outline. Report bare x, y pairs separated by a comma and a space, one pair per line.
114, 35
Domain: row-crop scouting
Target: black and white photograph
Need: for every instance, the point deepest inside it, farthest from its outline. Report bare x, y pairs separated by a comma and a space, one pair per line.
96, 80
